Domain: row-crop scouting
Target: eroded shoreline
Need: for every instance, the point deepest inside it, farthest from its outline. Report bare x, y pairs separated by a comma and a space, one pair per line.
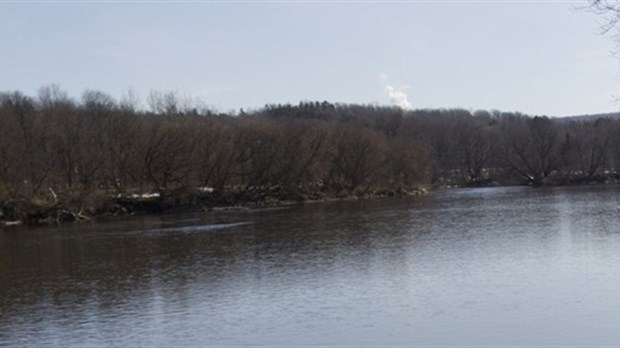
22, 212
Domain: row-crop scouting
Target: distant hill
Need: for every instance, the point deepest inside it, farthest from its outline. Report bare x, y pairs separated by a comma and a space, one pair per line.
612, 115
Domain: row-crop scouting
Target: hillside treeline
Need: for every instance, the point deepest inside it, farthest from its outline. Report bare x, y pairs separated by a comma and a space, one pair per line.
58, 151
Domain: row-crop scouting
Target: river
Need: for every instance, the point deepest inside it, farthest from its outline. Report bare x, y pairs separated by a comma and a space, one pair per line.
490, 266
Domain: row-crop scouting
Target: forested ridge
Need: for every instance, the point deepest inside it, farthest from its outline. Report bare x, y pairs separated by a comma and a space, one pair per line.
65, 159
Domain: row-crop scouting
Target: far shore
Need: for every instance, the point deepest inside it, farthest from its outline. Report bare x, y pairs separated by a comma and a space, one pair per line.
22, 212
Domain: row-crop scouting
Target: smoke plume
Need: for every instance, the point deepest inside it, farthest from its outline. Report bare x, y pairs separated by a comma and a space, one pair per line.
397, 95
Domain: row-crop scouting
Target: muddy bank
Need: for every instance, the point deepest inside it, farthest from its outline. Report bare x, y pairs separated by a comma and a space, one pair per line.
48, 211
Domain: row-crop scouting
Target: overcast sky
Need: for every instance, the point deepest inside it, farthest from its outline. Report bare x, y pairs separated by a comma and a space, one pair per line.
542, 58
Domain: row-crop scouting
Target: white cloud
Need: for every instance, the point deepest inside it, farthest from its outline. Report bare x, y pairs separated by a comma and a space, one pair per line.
397, 95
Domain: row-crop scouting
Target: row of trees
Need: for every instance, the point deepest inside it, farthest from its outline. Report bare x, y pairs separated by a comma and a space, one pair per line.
512, 148
53, 147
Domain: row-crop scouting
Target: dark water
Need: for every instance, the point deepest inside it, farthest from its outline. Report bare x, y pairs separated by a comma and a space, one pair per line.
494, 266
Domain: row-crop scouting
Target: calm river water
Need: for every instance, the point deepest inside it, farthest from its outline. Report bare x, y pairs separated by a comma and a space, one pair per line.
492, 266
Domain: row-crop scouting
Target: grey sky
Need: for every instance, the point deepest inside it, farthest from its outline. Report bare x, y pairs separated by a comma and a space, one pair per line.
533, 57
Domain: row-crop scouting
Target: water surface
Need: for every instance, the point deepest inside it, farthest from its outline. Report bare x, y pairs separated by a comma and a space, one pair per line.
492, 266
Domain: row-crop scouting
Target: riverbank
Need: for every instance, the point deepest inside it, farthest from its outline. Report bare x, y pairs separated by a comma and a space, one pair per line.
67, 208
52, 210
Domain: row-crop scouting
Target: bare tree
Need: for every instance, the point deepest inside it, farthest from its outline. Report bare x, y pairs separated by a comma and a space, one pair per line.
168, 150
609, 9
358, 156
216, 154
26, 133
532, 148
588, 146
